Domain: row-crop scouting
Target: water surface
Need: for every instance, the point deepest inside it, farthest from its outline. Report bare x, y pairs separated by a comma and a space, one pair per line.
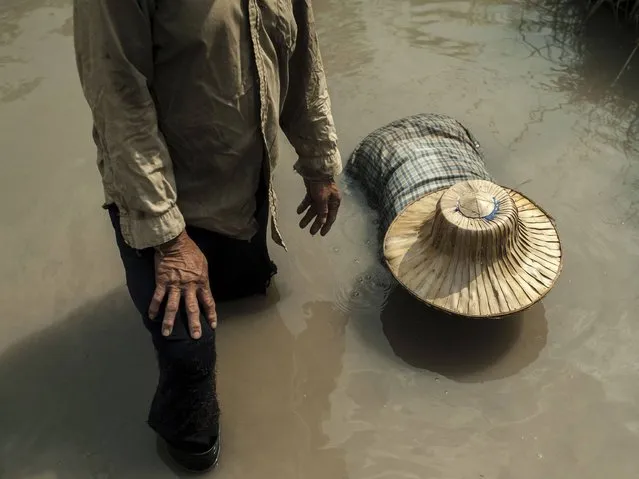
337, 374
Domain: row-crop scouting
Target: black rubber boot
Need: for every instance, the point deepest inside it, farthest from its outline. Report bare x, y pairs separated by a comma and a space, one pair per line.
196, 461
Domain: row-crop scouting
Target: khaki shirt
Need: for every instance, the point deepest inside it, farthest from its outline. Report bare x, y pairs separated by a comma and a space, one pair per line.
187, 99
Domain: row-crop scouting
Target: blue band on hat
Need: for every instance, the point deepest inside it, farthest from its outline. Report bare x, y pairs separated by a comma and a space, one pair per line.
490, 216
494, 212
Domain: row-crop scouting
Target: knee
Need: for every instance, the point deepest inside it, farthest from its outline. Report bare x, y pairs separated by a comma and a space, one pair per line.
185, 356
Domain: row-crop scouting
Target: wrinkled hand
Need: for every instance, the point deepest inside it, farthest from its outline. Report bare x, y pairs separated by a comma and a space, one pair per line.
320, 204
181, 270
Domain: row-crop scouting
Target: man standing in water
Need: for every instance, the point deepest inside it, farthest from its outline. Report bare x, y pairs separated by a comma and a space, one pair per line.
187, 98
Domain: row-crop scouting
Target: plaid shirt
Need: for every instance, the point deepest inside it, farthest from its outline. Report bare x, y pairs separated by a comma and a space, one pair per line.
409, 158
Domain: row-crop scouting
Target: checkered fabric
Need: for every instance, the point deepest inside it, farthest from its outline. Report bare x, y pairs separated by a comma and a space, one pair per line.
409, 158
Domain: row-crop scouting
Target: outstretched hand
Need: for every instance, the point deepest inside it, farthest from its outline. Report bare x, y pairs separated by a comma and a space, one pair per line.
181, 271
321, 205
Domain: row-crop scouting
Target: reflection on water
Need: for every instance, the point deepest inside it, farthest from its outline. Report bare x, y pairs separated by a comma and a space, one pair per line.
10, 93
466, 350
14, 11
448, 27
597, 61
275, 391
346, 30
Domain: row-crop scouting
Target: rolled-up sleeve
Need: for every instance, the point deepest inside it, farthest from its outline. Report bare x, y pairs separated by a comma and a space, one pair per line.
114, 53
306, 117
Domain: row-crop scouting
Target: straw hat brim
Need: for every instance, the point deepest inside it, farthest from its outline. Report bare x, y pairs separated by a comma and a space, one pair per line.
461, 283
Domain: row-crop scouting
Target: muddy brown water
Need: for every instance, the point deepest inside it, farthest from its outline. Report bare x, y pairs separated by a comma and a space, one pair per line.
337, 374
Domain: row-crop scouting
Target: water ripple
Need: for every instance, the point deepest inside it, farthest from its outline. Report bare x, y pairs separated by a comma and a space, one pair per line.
368, 293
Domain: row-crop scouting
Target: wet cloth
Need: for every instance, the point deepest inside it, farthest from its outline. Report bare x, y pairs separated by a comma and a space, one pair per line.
409, 158
185, 407
187, 99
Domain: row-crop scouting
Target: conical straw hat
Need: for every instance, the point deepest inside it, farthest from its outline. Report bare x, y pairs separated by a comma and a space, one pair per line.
475, 249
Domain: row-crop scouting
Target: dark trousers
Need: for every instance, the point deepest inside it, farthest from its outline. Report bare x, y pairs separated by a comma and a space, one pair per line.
185, 408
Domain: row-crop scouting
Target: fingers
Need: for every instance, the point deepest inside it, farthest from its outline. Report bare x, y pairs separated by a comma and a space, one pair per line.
208, 304
156, 302
333, 208
310, 214
321, 206
193, 312
322, 216
172, 305
304, 205
192, 305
